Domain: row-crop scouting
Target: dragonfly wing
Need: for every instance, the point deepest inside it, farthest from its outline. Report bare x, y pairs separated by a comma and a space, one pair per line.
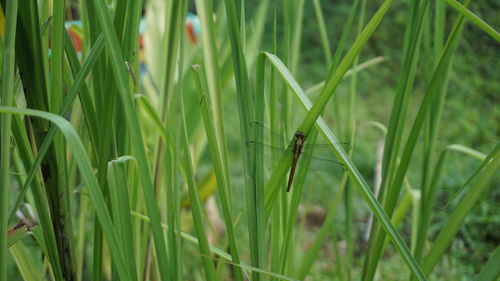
320, 153
274, 137
268, 150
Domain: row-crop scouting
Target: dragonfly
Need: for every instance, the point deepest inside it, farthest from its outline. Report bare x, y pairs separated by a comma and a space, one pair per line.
297, 149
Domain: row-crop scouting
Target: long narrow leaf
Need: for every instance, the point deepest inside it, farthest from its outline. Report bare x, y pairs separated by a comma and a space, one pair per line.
5, 125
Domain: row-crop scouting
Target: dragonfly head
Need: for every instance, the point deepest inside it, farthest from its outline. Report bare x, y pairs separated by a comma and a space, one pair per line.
300, 135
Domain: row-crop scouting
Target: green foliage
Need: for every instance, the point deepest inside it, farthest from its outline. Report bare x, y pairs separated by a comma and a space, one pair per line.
122, 163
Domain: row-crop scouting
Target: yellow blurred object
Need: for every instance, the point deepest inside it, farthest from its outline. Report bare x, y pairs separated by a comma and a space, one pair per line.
208, 186
2, 23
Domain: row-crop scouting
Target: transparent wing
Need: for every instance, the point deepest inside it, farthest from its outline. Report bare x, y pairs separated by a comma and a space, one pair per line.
319, 153
274, 137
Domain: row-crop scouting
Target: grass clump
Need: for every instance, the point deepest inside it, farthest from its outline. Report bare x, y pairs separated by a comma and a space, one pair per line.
126, 156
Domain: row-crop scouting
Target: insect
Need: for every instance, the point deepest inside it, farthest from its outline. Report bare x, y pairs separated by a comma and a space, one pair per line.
297, 150
319, 153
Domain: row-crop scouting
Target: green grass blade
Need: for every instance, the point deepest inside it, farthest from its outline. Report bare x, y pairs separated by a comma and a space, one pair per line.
5, 125
276, 276
39, 196
343, 37
333, 81
14, 235
108, 110
413, 32
83, 162
398, 112
211, 63
83, 215
474, 19
186, 236
57, 55
325, 43
121, 77
117, 178
430, 197
478, 184
220, 173
83, 93
466, 150
56, 179
25, 262
259, 160
245, 108
296, 18
369, 63
196, 207
490, 270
